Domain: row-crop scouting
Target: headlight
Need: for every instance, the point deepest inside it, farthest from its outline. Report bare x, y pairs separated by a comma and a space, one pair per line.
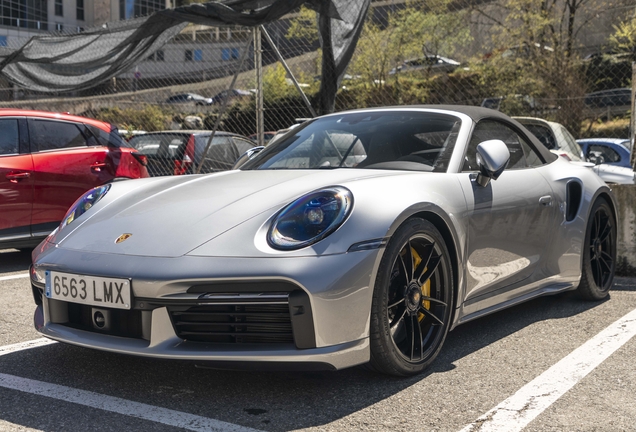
83, 204
310, 218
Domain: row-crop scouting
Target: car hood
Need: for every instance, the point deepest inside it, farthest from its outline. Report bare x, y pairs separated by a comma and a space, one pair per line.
171, 216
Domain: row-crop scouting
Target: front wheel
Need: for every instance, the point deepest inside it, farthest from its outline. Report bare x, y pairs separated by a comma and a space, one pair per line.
599, 253
412, 300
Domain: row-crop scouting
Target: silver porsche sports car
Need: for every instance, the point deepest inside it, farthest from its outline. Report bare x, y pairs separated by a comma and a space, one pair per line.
358, 237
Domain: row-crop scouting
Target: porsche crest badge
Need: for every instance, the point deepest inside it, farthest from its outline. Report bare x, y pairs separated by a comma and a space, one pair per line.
123, 237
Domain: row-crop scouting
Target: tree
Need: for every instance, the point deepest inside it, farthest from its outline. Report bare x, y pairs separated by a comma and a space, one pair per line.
419, 29
539, 56
304, 26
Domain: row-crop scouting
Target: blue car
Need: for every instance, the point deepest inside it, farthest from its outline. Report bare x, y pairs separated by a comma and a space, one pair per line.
612, 151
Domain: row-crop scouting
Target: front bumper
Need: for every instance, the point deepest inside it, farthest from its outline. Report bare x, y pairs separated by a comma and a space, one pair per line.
328, 298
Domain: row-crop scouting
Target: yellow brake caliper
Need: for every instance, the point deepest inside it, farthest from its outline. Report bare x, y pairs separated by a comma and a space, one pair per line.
426, 287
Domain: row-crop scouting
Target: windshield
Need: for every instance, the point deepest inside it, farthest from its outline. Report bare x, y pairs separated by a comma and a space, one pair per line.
396, 140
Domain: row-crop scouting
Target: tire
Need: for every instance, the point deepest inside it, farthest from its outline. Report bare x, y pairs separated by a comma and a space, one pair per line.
410, 315
599, 253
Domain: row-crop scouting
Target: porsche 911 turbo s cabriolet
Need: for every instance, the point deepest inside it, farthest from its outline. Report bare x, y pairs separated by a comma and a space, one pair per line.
359, 237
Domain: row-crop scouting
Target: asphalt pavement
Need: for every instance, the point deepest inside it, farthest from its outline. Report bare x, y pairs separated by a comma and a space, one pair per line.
57, 387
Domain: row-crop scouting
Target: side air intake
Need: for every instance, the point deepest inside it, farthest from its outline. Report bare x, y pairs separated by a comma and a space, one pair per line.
573, 200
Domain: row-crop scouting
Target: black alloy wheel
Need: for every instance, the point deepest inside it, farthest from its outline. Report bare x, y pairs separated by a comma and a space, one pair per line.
413, 300
599, 253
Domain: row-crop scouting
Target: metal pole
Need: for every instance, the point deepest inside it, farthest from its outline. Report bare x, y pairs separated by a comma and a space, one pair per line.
632, 123
224, 104
289, 72
258, 63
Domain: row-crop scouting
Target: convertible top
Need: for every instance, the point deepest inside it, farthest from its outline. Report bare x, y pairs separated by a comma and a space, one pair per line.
476, 114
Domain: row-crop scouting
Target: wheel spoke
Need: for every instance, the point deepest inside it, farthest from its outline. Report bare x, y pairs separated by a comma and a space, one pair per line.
391, 306
604, 261
433, 300
606, 232
399, 325
433, 264
426, 255
413, 334
430, 314
417, 339
406, 270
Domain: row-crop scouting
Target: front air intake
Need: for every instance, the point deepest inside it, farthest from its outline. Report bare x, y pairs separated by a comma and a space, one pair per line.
235, 319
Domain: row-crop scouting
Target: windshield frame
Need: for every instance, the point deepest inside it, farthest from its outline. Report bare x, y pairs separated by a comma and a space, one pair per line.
459, 133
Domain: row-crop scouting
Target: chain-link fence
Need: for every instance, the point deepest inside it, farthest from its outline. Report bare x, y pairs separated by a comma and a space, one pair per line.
568, 62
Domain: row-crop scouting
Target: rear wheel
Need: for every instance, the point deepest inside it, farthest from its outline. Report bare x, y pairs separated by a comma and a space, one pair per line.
412, 301
599, 252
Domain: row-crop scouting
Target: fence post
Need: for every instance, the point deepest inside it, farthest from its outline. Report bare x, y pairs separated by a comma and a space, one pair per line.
632, 123
258, 63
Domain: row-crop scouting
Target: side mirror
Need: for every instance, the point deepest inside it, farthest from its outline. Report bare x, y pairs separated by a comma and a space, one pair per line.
247, 156
492, 157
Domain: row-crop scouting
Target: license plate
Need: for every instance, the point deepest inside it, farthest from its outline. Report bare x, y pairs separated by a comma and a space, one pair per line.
88, 290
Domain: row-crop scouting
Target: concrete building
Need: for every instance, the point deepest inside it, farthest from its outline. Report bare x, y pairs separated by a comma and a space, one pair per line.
22, 19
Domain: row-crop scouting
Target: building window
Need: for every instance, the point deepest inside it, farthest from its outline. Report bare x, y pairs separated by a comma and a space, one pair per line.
59, 27
80, 10
135, 8
3, 41
194, 55
156, 56
229, 54
59, 8
31, 14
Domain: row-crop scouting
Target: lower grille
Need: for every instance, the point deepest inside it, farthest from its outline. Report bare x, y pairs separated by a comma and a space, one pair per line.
125, 323
235, 319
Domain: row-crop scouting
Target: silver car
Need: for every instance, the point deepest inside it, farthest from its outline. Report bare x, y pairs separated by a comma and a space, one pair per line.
361, 238
560, 141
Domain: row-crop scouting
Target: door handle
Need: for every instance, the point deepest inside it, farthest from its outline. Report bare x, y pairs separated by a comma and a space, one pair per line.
545, 200
97, 166
16, 177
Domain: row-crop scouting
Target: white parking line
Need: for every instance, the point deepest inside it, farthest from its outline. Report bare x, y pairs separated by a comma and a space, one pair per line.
18, 276
8, 349
109, 403
120, 406
520, 409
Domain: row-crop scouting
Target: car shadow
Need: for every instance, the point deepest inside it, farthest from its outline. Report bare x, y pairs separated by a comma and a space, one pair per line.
273, 401
12, 260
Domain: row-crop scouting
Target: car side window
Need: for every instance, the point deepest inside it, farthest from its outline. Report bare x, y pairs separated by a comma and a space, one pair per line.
9, 138
55, 135
243, 145
605, 153
522, 155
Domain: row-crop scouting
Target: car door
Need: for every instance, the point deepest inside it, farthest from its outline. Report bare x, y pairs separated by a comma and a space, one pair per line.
16, 181
65, 165
509, 220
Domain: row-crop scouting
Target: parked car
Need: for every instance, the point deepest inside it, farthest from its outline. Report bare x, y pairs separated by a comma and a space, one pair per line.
610, 151
608, 103
230, 95
434, 63
189, 98
559, 140
180, 152
48, 160
309, 255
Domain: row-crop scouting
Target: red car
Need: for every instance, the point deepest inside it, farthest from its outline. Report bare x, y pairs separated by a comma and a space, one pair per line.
47, 161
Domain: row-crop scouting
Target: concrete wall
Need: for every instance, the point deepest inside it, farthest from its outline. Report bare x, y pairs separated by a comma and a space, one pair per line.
626, 247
